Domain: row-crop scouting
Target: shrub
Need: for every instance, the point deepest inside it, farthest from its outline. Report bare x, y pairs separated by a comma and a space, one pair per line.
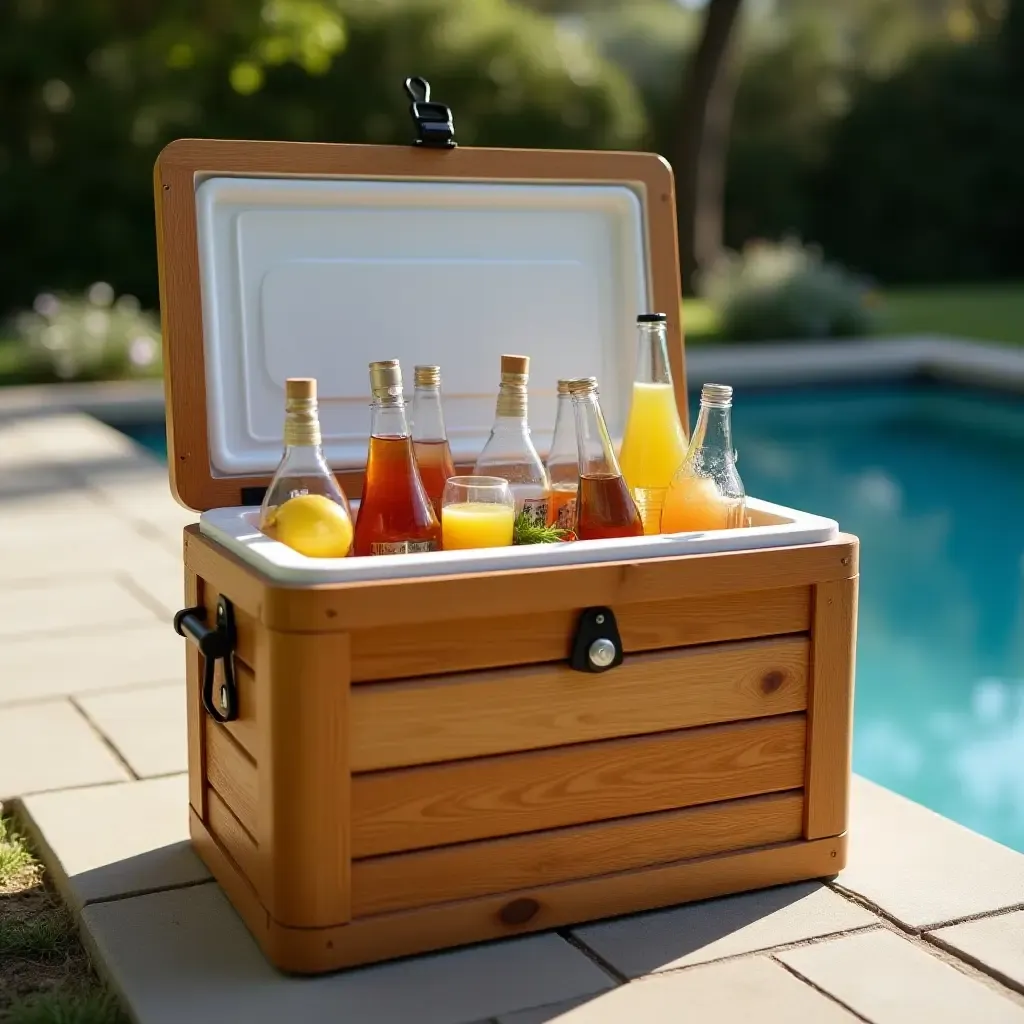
90, 337
786, 291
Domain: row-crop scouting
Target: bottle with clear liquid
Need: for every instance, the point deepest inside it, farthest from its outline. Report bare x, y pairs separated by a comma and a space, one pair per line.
395, 514
654, 442
605, 508
706, 492
563, 464
304, 507
429, 438
509, 451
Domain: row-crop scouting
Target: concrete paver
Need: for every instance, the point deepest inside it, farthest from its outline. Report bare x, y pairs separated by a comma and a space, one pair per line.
732, 993
921, 868
108, 842
34, 668
51, 746
542, 1014
184, 955
889, 980
147, 726
996, 944
713, 929
41, 607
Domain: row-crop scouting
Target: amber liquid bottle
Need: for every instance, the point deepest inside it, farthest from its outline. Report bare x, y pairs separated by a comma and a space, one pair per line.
429, 438
604, 506
395, 514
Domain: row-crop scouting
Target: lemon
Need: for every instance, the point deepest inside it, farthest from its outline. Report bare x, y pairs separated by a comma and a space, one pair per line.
315, 526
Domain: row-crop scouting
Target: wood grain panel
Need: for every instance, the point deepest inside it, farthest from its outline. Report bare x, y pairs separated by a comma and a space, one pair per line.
195, 715
231, 834
830, 719
413, 808
447, 718
232, 773
420, 650
243, 729
444, 874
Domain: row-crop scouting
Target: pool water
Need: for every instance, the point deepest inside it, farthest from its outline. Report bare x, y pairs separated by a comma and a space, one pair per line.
932, 481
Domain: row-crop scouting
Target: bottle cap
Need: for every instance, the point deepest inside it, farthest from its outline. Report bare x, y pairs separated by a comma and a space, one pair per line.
300, 389
583, 386
515, 364
563, 387
427, 376
652, 318
716, 394
385, 375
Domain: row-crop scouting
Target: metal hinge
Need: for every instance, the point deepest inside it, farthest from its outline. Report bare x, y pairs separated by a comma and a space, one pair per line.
434, 124
214, 645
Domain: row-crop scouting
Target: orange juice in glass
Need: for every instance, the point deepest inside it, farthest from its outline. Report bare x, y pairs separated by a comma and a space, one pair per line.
476, 512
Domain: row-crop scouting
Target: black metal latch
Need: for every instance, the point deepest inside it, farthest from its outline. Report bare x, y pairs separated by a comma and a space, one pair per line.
434, 124
597, 646
214, 645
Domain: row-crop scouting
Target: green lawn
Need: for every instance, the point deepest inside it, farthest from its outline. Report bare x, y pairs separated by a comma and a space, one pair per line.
980, 312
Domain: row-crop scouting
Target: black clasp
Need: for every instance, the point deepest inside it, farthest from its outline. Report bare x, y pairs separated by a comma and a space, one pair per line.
597, 646
434, 124
214, 645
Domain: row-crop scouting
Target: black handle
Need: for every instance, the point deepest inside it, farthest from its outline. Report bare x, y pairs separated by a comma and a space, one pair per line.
214, 645
435, 127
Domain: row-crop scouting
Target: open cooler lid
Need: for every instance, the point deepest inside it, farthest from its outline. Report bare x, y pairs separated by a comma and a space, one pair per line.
282, 260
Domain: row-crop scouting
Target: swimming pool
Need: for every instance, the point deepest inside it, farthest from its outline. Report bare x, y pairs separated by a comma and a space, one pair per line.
932, 481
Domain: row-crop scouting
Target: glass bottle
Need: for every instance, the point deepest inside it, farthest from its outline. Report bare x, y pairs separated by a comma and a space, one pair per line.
429, 438
604, 508
654, 442
395, 514
303, 470
509, 451
706, 492
563, 465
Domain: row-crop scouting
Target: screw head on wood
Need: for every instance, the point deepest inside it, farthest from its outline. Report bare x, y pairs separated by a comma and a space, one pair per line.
601, 653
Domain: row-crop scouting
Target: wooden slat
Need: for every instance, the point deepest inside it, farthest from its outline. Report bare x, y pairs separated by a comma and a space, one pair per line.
232, 773
225, 573
446, 718
385, 936
195, 716
231, 834
830, 718
478, 596
418, 650
413, 808
406, 880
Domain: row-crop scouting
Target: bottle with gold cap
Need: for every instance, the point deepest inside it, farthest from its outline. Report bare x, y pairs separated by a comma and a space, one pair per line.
605, 508
563, 464
395, 514
509, 452
429, 438
304, 507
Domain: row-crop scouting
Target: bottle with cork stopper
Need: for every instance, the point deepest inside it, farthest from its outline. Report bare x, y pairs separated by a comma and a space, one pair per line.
429, 437
304, 507
395, 513
509, 452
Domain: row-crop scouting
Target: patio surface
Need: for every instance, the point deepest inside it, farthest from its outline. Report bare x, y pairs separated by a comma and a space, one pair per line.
926, 924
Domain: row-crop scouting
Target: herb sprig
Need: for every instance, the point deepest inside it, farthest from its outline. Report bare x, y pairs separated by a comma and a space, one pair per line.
526, 531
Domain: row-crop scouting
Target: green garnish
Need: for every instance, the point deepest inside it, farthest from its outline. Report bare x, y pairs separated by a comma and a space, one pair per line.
526, 531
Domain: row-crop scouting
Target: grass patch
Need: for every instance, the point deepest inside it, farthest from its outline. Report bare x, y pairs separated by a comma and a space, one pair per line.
68, 1008
18, 867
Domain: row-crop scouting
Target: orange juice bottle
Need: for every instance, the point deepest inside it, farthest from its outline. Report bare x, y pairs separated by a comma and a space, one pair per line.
563, 464
654, 443
706, 492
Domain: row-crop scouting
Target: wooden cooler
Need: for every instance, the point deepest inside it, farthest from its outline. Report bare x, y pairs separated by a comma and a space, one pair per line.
384, 766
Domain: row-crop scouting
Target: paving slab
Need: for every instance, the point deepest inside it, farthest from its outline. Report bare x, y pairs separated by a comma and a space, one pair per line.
184, 955
34, 668
732, 993
995, 944
714, 929
46, 607
543, 1014
147, 726
51, 746
107, 842
890, 980
922, 869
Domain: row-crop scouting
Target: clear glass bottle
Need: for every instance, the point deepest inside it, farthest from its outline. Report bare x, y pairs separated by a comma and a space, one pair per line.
605, 508
395, 514
303, 469
706, 492
654, 442
429, 438
509, 451
563, 465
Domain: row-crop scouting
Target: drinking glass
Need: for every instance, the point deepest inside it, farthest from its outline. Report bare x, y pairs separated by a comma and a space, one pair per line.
476, 512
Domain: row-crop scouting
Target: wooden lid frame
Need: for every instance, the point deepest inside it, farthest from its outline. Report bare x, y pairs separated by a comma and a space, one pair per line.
184, 163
